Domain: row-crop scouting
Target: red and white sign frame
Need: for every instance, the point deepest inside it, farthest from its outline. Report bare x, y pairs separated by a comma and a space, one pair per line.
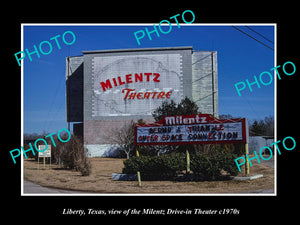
192, 129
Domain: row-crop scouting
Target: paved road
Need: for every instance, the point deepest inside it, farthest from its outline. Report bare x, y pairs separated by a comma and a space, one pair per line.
32, 188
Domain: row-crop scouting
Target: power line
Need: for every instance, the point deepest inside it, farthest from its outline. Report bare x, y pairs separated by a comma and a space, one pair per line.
260, 34
252, 37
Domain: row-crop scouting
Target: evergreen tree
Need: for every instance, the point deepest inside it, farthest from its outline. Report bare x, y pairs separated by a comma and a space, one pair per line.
185, 107
258, 128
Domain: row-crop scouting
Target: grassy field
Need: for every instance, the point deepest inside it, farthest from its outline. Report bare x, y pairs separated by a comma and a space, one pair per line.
100, 180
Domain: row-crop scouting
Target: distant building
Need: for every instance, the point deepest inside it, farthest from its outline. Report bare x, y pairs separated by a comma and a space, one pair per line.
107, 88
257, 142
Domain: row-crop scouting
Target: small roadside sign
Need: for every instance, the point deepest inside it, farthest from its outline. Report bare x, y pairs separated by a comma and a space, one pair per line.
44, 154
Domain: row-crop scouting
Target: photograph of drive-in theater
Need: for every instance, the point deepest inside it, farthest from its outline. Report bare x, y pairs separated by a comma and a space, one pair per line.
159, 117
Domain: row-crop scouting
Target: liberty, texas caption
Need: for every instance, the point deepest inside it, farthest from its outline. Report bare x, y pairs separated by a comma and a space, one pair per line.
150, 211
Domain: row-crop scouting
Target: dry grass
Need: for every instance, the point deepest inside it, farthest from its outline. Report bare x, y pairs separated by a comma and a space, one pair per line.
99, 181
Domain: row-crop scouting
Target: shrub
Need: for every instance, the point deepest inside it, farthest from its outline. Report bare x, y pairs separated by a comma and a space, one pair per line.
227, 162
73, 156
208, 166
204, 166
156, 167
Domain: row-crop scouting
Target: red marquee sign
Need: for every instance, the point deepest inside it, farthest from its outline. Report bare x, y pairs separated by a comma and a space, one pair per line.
192, 129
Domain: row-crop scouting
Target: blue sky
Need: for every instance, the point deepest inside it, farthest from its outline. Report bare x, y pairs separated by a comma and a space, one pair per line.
239, 58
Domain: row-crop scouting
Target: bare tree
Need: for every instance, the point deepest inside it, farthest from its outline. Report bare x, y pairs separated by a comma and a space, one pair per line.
206, 148
123, 137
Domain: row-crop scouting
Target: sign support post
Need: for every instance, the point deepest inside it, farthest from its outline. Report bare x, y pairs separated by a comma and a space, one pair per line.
188, 168
247, 167
138, 172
